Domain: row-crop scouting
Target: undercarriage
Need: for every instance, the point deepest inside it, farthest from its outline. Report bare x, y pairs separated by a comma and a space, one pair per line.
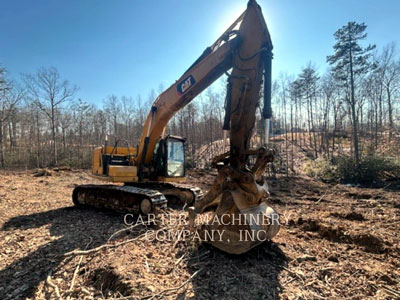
139, 198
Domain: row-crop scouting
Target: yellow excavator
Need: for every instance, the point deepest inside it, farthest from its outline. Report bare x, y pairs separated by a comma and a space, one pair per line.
153, 172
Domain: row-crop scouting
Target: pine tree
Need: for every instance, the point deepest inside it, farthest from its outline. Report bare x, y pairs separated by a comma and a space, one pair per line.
349, 61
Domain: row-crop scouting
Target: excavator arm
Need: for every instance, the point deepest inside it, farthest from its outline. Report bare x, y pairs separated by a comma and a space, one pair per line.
245, 51
199, 76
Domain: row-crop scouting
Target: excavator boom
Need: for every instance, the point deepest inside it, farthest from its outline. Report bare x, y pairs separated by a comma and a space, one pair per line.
244, 51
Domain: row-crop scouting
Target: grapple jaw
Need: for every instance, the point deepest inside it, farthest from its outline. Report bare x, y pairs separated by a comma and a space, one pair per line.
244, 230
242, 219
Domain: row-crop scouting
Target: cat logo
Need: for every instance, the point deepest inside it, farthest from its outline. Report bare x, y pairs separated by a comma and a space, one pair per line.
185, 84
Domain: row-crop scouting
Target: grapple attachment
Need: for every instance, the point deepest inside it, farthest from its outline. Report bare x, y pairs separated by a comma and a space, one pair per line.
241, 217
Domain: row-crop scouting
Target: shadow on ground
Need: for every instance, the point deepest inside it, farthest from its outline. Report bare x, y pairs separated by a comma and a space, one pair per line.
73, 227
253, 275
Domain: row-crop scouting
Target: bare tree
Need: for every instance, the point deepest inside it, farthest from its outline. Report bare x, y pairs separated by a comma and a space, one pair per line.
48, 91
309, 82
5, 88
389, 71
10, 96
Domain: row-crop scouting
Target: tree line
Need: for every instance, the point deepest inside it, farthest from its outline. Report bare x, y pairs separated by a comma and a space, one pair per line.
42, 123
352, 109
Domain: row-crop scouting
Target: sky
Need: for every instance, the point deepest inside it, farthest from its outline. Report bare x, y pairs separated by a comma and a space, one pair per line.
128, 47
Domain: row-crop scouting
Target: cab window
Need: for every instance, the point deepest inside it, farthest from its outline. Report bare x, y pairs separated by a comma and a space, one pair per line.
175, 158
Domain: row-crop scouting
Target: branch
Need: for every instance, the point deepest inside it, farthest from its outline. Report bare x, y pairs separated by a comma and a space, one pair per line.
54, 286
77, 268
87, 252
149, 297
122, 230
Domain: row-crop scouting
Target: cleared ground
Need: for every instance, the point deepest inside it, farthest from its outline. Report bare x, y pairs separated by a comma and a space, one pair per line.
336, 242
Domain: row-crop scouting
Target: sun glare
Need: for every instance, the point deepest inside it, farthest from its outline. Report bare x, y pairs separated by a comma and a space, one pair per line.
229, 16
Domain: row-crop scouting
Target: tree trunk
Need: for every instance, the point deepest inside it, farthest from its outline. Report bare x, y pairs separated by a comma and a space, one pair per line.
2, 164
354, 114
314, 142
390, 109
309, 121
53, 133
37, 141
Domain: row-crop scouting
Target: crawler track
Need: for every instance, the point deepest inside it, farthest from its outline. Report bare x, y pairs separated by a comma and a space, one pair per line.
119, 198
184, 193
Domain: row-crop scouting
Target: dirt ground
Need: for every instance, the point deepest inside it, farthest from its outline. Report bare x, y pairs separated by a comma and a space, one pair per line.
336, 242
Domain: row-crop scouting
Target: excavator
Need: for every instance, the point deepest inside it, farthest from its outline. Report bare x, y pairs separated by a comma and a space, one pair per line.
153, 172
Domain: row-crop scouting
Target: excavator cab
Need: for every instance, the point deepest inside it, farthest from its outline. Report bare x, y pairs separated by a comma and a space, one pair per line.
175, 157
169, 158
